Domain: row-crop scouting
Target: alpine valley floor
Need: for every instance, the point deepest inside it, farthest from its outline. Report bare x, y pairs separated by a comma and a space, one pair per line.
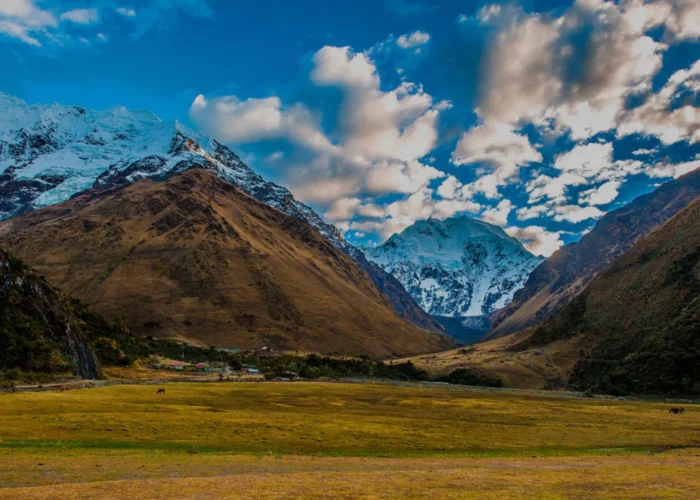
322, 440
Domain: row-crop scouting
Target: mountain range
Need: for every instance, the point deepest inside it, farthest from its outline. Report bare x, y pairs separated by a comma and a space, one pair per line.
173, 234
49, 153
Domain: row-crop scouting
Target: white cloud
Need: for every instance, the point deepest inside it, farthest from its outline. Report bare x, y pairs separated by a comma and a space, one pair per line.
343, 209
126, 11
656, 117
22, 19
235, 121
340, 66
496, 145
537, 239
532, 212
81, 16
499, 214
448, 188
521, 76
661, 170
602, 195
52, 25
587, 160
684, 20
394, 217
413, 40
399, 177
575, 213
644, 152
552, 188
536, 73
373, 149
574, 73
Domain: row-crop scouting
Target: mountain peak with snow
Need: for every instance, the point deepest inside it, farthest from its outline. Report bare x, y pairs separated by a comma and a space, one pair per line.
456, 267
51, 152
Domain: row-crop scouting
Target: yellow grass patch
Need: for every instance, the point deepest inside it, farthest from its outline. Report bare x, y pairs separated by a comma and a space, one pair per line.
316, 440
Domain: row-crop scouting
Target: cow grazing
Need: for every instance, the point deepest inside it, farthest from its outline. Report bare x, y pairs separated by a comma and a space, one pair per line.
161, 391
677, 411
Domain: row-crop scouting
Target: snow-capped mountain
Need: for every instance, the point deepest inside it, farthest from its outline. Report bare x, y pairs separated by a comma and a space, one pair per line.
457, 267
49, 153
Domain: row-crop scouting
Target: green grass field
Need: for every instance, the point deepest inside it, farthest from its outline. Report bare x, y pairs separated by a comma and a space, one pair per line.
301, 440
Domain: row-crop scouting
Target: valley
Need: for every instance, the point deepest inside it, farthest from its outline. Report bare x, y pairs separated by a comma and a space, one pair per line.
311, 440
367, 250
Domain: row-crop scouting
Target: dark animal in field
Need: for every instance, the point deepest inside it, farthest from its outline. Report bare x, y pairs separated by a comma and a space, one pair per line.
677, 410
161, 391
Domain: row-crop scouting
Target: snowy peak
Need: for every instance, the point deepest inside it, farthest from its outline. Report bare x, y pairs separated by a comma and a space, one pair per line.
444, 241
49, 153
456, 267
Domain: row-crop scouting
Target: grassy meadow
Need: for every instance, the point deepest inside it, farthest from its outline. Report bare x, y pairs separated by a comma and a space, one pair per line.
302, 440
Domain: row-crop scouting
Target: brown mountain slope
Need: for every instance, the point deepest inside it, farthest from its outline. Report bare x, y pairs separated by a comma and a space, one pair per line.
643, 314
556, 281
195, 258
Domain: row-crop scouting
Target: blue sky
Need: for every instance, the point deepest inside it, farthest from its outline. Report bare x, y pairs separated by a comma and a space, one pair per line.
537, 116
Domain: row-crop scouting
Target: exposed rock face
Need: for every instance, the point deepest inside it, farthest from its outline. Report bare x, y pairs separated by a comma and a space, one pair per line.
195, 258
457, 267
556, 281
39, 331
50, 153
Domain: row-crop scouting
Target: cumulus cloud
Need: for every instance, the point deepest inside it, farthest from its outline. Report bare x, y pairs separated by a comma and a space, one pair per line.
499, 214
538, 73
552, 81
553, 188
537, 239
373, 147
81, 16
342, 67
575, 213
571, 75
496, 145
656, 117
602, 195
396, 216
521, 74
23, 20
126, 11
587, 160
236, 121
343, 209
413, 40
665, 170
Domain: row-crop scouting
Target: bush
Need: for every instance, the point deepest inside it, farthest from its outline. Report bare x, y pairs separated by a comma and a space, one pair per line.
466, 376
